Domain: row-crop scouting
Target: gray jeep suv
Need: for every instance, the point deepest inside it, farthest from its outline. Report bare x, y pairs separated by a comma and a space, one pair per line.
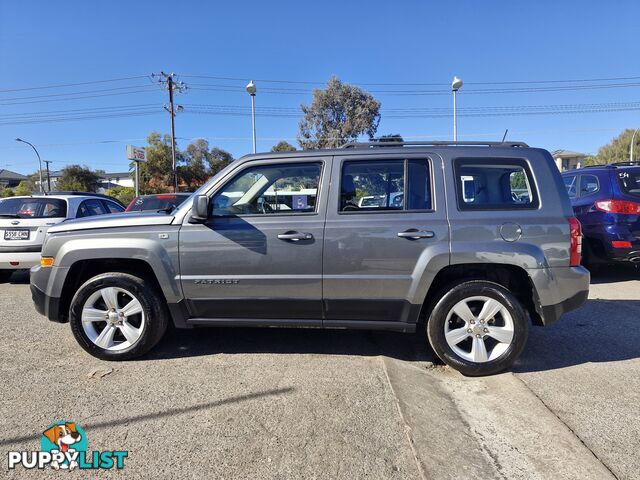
466, 242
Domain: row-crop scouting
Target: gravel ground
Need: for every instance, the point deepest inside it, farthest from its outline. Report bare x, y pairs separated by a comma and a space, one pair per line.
276, 403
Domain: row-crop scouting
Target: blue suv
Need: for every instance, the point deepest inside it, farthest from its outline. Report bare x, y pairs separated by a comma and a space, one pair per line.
606, 200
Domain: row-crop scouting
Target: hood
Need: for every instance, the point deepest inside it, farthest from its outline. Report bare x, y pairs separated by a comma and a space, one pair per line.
114, 220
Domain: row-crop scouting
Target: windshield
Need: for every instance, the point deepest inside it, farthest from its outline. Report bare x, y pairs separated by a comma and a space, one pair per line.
33, 207
629, 180
157, 202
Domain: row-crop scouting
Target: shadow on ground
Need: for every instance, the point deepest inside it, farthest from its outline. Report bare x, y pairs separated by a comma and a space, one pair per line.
206, 341
600, 331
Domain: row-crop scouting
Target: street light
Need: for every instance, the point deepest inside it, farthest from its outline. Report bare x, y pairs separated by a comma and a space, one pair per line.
39, 160
456, 85
633, 137
251, 90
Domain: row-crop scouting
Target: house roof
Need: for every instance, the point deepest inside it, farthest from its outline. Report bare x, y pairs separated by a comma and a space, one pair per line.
9, 175
567, 154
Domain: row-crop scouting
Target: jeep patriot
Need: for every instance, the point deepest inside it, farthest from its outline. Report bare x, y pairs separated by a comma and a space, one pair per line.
467, 243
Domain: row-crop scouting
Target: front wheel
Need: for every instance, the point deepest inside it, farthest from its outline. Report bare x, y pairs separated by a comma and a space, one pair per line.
478, 328
117, 316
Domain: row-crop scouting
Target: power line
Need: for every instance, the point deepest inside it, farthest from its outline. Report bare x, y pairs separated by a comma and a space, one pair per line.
440, 84
65, 85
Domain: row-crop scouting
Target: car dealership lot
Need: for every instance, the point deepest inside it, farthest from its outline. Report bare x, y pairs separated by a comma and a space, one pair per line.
278, 403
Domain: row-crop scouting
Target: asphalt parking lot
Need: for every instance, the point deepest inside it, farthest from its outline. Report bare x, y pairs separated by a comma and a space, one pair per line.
276, 403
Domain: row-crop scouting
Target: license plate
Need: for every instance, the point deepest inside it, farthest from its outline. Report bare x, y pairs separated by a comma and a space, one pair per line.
16, 234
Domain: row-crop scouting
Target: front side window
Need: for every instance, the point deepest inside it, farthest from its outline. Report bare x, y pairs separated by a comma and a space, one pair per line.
494, 184
268, 190
380, 185
588, 184
113, 207
33, 207
570, 184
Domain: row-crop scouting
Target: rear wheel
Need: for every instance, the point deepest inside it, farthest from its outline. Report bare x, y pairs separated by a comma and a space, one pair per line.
117, 316
5, 275
478, 328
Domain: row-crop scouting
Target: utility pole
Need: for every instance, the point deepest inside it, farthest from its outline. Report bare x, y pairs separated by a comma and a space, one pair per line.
171, 85
48, 175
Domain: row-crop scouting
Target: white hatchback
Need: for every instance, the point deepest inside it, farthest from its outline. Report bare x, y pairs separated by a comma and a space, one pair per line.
24, 222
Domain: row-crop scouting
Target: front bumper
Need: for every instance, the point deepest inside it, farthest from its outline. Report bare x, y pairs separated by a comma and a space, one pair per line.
19, 260
46, 305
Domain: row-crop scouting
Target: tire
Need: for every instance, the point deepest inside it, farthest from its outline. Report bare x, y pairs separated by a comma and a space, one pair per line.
143, 323
5, 275
509, 323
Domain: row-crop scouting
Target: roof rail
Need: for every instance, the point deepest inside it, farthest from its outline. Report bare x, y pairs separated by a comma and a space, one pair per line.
625, 164
438, 143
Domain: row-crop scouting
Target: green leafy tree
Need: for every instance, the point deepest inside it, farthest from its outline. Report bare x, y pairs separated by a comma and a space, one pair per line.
78, 178
218, 159
196, 161
23, 189
123, 194
155, 173
283, 146
617, 150
6, 192
338, 114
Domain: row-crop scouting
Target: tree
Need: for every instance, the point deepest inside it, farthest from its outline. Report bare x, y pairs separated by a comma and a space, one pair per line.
617, 150
6, 192
23, 189
338, 114
155, 173
123, 194
78, 178
218, 159
196, 161
283, 146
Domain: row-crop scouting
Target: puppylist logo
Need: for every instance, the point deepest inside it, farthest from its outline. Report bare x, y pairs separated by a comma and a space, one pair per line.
64, 445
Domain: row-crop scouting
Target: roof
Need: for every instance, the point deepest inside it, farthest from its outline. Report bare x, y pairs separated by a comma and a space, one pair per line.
9, 175
567, 154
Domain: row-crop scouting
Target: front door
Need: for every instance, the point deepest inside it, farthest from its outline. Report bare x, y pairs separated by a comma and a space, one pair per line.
386, 236
259, 255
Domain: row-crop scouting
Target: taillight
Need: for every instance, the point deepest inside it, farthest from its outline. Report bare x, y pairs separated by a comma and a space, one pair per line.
621, 244
575, 250
619, 206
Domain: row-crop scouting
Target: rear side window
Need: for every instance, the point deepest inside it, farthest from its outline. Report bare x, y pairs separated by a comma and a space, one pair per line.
589, 184
382, 185
89, 208
629, 181
34, 207
494, 184
570, 184
113, 207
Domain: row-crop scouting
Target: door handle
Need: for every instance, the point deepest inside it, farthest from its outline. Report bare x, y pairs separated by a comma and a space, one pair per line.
415, 234
295, 236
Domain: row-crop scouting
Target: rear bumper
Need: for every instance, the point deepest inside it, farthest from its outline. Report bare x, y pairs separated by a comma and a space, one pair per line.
19, 260
559, 290
46, 305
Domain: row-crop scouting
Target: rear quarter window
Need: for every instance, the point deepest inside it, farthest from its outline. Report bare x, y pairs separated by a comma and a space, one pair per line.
629, 181
494, 184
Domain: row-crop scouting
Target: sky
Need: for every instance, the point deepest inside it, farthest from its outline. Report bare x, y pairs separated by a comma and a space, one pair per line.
405, 53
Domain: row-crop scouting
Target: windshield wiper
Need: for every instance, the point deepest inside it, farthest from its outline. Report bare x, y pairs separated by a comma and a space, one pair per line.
10, 215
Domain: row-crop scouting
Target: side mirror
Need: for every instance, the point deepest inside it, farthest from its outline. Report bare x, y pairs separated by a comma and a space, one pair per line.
200, 209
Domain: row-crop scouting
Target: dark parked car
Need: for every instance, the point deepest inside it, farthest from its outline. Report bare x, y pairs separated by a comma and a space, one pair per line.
606, 200
158, 202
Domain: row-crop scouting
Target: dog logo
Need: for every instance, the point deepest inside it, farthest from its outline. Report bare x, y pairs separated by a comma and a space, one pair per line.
65, 438
64, 446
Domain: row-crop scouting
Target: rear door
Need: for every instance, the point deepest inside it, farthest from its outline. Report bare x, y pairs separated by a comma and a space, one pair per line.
386, 229
259, 255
